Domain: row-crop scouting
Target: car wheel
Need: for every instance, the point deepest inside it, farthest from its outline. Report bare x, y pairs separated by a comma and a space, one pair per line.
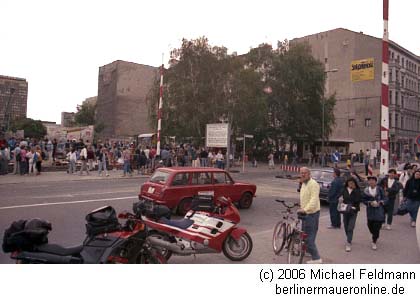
184, 206
245, 201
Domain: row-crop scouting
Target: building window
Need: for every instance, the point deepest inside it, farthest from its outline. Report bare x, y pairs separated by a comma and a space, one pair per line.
390, 98
396, 120
402, 122
402, 62
397, 101
351, 122
402, 101
397, 79
390, 120
368, 122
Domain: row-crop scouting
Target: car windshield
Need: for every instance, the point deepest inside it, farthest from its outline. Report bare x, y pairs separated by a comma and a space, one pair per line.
159, 177
321, 175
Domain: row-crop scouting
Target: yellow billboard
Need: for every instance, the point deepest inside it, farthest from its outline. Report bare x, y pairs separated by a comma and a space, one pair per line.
363, 69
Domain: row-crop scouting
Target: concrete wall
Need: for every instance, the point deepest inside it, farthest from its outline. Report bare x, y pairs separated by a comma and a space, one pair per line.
355, 100
121, 104
19, 101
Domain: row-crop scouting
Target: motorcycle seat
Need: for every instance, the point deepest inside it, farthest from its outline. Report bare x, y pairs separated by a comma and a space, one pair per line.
182, 224
59, 250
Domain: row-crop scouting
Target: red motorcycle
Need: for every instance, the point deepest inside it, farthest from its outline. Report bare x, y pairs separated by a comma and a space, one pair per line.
209, 227
107, 241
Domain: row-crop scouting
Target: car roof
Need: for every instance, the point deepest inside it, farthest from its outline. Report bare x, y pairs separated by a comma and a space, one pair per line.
189, 169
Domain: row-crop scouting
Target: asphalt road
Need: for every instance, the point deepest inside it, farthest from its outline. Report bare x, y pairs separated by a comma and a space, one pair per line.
66, 203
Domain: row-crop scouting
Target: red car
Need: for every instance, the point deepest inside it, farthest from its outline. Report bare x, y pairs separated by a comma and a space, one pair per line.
176, 187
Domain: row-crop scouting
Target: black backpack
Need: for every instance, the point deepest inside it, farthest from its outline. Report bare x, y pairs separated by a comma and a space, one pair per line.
102, 220
25, 234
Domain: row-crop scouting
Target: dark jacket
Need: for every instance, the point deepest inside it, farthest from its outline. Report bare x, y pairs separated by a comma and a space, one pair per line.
353, 199
336, 190
392, 192
375, 213
412, 189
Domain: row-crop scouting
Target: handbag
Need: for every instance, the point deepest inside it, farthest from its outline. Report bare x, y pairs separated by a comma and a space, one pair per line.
343, 208
402, 208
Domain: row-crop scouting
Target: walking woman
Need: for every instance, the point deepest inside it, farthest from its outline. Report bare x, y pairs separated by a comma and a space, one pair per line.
374, 198
412, 193
351, 196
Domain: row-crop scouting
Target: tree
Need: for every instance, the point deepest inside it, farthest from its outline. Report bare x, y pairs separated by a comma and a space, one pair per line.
32, 128
204, 84
297, 80
85, 115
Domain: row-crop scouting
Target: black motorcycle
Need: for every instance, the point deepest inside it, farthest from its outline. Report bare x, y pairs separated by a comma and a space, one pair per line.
107, 241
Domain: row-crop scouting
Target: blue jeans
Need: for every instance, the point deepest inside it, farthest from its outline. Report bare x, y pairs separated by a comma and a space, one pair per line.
204, 162
311, 229
413, 208
335, 216
127, 167
349, 221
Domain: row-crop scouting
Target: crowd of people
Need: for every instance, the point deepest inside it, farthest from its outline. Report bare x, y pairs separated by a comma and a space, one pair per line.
141, 158
381, 197
345, 199
26, 155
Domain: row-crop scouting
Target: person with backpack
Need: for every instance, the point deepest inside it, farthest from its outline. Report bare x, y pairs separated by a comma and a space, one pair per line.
375, 201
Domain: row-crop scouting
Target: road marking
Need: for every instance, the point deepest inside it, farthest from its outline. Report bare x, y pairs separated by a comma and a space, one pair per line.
83, 194
65, 203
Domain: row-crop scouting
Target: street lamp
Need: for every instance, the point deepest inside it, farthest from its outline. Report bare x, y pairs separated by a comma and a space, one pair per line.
327, 91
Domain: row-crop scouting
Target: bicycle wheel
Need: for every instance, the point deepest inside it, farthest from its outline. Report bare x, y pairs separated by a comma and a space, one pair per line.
295, 250
279, 237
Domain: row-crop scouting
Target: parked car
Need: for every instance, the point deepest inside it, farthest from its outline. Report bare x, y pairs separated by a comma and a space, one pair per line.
175, 187
325, 177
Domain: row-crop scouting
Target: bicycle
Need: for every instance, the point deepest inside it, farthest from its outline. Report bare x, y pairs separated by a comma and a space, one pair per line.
289, 232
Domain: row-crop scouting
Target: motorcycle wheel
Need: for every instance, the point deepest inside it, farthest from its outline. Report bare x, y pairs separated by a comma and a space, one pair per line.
151, 257
163, 251
237, 250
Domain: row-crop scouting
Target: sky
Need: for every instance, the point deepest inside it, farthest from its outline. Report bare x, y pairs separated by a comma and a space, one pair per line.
59, 45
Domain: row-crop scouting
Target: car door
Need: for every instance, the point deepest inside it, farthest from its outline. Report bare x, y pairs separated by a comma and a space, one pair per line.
201, 182
178, 188
223, 186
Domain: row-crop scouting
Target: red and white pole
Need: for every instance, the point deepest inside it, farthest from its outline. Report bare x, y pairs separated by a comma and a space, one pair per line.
160, 111
384, 166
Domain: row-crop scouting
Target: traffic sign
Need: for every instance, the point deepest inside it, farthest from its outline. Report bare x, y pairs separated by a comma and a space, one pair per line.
418, 140
250, 136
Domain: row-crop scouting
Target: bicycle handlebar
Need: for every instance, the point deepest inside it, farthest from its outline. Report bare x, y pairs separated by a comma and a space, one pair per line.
288, 206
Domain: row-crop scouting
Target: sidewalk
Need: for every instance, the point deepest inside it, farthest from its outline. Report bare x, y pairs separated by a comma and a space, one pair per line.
60, 176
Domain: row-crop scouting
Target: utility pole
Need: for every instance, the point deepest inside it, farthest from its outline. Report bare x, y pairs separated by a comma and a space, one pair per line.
384, 165
160, 109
